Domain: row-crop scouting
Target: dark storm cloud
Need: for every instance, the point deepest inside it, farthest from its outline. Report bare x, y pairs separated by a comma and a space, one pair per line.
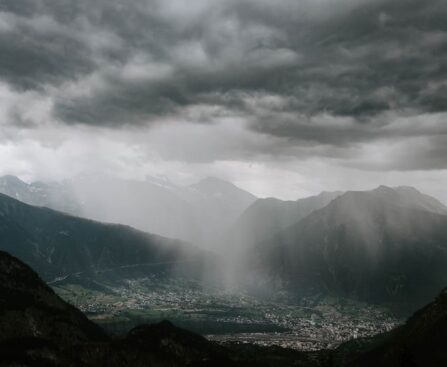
36, 51
310, 72
357, 60
375, 58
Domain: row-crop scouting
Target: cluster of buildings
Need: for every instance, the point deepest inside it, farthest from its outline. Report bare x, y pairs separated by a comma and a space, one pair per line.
309, 327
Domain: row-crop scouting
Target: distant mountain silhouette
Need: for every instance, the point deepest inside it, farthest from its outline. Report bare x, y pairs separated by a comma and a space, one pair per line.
52, 195
194, 213
266, 217
217, 204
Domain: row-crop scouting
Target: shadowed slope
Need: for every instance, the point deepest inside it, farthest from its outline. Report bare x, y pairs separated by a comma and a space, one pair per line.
58, 245
380, 246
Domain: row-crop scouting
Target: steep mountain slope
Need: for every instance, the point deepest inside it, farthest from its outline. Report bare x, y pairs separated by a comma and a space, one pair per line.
418, 343
265, 217
57, 244
382, 245
33, 319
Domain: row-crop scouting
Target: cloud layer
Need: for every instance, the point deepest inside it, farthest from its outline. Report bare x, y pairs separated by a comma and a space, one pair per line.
357, 84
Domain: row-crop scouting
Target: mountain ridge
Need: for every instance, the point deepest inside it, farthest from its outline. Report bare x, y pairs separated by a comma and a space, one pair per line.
269, 215
362, 244
57, 244
191, 213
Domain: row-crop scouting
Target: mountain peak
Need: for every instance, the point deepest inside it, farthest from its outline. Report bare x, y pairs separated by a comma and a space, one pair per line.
215, 185
212, 180
401, 196
330, 194
409, 189
408, 196
383, 189
12, 180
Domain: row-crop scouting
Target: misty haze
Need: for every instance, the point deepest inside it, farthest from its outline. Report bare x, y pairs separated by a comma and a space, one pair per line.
223, 183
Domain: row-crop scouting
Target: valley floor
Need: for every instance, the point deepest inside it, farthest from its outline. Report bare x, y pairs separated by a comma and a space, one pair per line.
312, 323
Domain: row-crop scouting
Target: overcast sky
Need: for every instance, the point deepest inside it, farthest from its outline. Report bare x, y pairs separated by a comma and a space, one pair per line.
283, 97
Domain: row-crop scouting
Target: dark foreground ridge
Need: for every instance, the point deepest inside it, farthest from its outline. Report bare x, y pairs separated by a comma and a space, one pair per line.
420, 342
37, 328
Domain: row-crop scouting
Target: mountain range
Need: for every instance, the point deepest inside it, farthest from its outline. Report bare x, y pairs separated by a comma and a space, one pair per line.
387, 245
59, 245
384, 245
194, 213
